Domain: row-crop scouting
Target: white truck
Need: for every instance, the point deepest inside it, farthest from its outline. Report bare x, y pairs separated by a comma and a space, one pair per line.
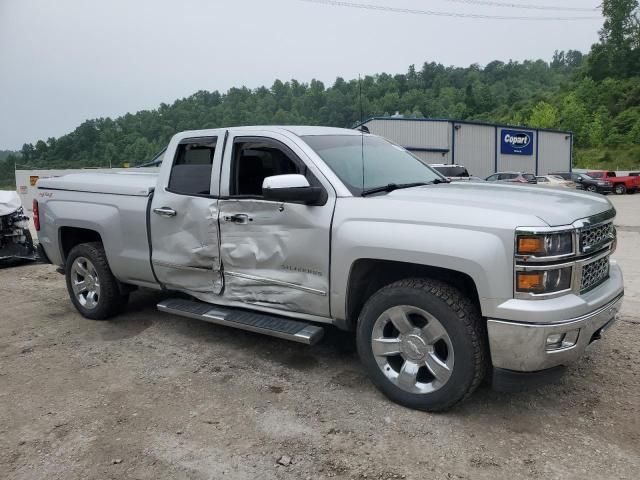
285, 230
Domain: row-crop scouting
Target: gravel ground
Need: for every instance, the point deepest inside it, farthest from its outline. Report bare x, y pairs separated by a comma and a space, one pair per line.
153, 396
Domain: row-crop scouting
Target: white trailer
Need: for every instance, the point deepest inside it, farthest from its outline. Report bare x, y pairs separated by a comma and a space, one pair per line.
26, 179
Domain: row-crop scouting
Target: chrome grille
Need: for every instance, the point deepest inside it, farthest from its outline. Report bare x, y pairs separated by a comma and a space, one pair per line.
591, 238
594, 273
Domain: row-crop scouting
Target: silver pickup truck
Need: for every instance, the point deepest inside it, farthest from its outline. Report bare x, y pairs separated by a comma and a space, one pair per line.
284, 230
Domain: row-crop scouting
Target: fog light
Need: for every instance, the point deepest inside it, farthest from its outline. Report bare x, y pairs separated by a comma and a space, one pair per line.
557, 341
554, 341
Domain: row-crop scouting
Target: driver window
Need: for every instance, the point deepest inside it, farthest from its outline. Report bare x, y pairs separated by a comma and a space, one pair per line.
253, 161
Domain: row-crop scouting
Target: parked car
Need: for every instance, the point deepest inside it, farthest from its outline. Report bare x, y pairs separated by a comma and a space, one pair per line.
452, 172
555, 181
281, 230
516, 177
585, 182
634, 174
15, 238
621, 185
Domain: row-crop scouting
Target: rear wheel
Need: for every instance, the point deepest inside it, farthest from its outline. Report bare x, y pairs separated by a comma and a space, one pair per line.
91, 285
619, 189
422, 344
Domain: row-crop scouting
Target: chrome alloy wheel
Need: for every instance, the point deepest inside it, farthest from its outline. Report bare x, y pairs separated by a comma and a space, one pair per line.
85, 282
412, 349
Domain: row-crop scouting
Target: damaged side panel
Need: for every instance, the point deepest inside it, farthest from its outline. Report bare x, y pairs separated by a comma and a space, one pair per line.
186, 246
183, 218
278, 257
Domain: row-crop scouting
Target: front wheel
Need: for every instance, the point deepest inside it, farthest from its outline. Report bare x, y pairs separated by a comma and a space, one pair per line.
422, 344
91, 285
592, 188
619, 189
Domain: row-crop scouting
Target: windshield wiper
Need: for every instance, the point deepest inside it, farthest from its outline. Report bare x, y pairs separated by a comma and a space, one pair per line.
390, 187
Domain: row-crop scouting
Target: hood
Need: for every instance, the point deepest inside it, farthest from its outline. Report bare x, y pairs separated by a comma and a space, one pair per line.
479, 202
9, 202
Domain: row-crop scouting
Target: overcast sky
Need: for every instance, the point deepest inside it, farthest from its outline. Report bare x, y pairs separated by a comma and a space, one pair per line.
64, 61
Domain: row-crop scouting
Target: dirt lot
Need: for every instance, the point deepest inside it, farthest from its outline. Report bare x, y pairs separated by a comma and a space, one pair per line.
153, 396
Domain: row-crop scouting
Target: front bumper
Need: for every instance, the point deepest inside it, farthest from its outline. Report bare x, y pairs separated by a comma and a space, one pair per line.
522, 347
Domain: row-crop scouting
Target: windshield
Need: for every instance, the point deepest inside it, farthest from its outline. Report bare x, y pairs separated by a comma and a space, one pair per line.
379, 163
452, 171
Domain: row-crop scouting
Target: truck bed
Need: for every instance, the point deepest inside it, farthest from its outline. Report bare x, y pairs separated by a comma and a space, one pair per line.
139, 184
115, 205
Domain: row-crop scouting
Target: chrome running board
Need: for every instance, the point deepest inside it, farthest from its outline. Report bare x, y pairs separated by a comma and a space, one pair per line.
253, 322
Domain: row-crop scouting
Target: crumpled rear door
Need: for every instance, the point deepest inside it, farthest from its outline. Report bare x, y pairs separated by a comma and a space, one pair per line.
183, 217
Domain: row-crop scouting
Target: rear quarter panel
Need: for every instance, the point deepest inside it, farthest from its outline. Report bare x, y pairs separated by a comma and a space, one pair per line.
120, 220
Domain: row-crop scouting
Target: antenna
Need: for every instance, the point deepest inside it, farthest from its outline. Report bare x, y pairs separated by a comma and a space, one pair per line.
361, 127
360, 95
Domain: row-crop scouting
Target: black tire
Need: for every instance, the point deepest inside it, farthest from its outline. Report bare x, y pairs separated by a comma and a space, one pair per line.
110, 301
463, 324
619, 189
592, 188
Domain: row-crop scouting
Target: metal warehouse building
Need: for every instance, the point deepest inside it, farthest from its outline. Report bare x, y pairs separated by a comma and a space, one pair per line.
481, 147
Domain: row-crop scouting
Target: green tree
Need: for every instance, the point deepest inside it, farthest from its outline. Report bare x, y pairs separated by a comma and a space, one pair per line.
618, 53
598, 127
543, 115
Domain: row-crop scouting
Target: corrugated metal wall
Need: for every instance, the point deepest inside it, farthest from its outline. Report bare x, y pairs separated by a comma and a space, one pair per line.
412, 133
554, 152
432, 157
475, 148
516, 163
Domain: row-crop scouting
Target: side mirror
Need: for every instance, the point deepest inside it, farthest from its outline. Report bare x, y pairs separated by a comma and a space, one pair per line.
290, 188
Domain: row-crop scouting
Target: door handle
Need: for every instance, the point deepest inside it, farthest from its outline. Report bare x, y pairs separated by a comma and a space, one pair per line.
165, 211
240, 218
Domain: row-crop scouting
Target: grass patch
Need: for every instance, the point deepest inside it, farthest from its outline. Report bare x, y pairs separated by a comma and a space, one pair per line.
624, 159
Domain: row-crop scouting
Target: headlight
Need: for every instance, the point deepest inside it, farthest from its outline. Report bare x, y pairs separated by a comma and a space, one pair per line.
543, 281
545, 245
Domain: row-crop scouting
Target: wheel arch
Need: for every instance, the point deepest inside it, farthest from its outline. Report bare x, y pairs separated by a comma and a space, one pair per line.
69, 237
368, 275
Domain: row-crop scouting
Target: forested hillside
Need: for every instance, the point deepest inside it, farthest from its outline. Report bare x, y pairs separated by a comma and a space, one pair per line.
597, 96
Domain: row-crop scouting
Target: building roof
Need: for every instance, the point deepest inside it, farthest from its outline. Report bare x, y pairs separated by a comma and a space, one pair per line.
463, 122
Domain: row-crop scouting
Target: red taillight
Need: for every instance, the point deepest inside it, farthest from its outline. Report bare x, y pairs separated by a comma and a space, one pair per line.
36, 215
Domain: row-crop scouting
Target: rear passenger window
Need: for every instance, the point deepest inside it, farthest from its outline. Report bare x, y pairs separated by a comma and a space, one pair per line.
191, 171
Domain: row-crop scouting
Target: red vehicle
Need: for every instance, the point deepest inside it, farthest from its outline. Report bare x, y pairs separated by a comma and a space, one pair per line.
628, 184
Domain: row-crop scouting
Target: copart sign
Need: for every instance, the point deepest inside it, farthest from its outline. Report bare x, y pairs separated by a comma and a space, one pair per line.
516, 142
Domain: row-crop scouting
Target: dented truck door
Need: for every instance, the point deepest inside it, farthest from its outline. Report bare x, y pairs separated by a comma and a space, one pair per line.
275, 254
183, 217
